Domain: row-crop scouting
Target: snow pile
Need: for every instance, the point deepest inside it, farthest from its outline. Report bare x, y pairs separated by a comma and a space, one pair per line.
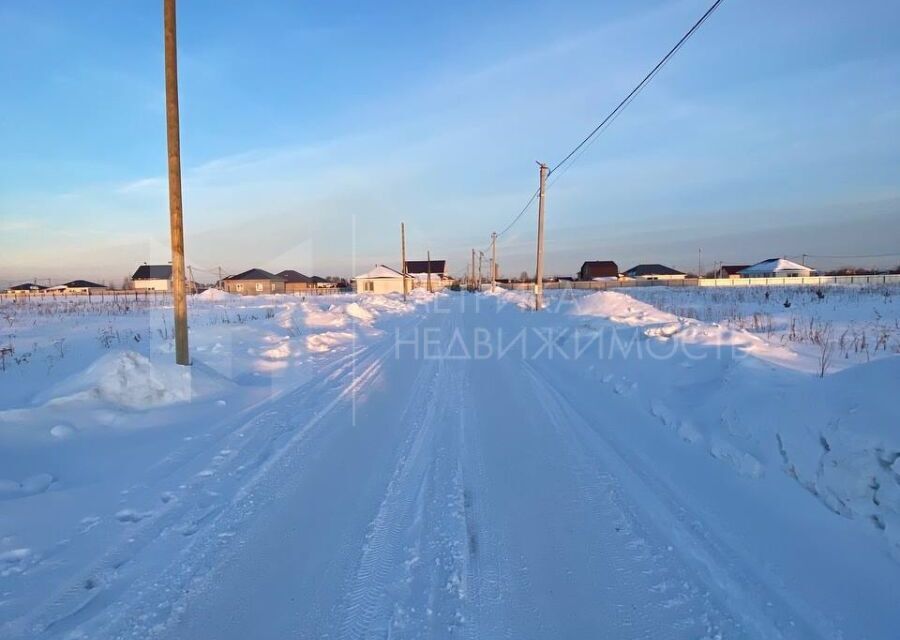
327, 341
354, 310
215, 295
128, 379
622, 309
315, 316
519, 297
392, 303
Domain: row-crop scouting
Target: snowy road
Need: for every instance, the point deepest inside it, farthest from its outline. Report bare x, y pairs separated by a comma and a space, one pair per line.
421, 491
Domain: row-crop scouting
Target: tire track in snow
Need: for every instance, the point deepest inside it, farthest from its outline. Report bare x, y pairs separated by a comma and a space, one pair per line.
411, 576
762, 612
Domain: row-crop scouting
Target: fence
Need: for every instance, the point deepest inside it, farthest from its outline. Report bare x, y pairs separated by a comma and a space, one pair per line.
148, 295
890, 278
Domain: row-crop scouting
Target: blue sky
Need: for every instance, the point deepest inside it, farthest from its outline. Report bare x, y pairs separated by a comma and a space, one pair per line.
310, 130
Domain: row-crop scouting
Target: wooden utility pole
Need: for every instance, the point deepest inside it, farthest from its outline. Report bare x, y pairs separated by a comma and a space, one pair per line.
472, 278
220, 284
403, 258
539, 268
480, 256
493, 262
175, 211
699, 261
430, 289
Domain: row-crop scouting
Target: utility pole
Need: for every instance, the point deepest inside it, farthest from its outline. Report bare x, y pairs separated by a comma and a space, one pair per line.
472, 279
480, 256
219, 284
176, 224
539, 269
403, 258
193, 282
430, 288
699, 260
493, 262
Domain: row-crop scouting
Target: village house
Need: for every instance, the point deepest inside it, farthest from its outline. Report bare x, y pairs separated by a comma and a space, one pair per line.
296, 282
382, 279
731, 270
79, 287
653, 272
419, 270
777, 268
27, 287
254, 282
152, 277
599, 270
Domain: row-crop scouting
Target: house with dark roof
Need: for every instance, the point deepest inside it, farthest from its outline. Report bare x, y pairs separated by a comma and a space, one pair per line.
653, 272
83, 286
254, 282
598, 270
420, 270
296, 282
27, 287
731, 270
153, 277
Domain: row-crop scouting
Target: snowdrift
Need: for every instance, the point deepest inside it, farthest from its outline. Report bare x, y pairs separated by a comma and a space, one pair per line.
130, 380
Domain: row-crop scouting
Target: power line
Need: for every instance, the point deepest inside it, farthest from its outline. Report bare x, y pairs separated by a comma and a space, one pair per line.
521, 213
610, 118
874, 255
647, 78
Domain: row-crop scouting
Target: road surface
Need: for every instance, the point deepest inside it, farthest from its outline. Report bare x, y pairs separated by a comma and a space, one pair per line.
420, 489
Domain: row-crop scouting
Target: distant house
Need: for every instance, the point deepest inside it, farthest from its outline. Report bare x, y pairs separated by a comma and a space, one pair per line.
598, 269
731, 270
254, 282
653, 272
777, 268
382, 279
28, 287
296, 282
153, 277
420, 269
322, 283
82, 286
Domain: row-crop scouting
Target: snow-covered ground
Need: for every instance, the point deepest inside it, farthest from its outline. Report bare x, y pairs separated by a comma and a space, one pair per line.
681, 463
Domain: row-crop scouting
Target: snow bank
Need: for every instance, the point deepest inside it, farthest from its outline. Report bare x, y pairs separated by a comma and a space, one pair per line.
322, 342
622, 309
216, 295
128, 379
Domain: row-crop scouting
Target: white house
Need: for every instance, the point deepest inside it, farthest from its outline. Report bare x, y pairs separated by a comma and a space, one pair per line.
777, 268
382, 279
153, 277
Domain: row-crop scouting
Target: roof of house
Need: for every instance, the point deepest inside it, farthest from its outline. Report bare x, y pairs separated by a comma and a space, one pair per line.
733, 268
290, 275
84, 284
28, 286
256, 274
421, 266
652, 270
599, 269
319, 279
153, 272
774, 265
380, 271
